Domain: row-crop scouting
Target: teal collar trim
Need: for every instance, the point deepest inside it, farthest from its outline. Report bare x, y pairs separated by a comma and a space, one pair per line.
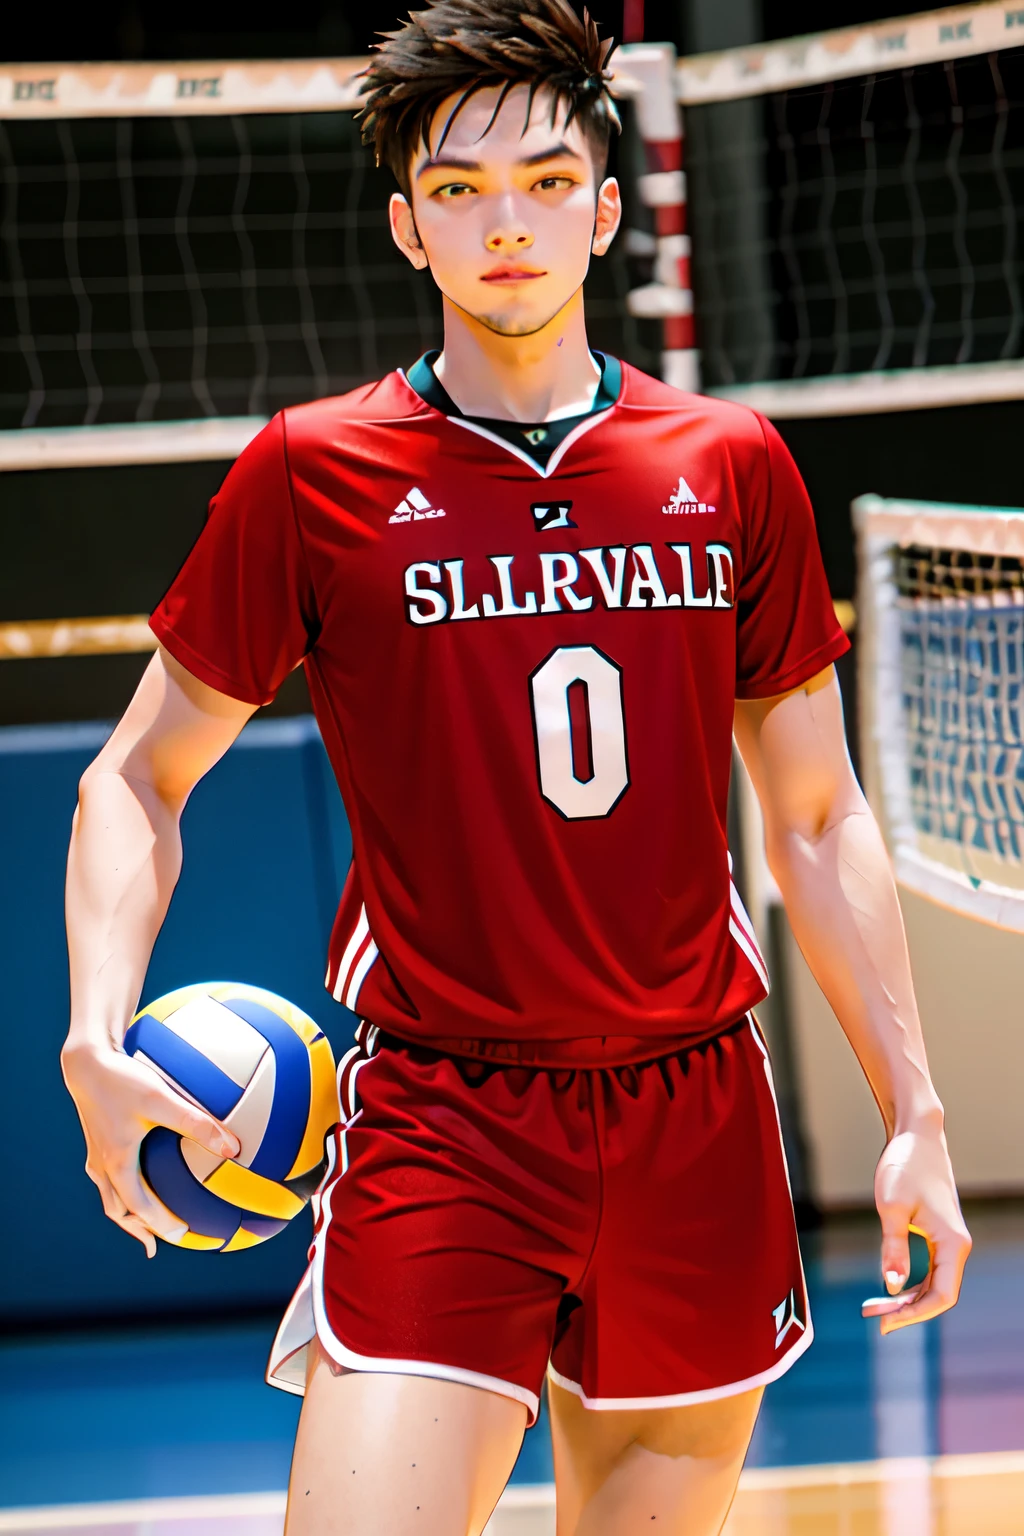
537, 439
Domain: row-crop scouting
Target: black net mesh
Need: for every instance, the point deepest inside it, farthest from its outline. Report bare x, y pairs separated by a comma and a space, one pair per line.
180, 267
871, 223
958, 573
961, 660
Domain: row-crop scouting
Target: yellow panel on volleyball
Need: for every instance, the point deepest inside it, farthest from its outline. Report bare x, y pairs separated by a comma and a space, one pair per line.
252, 1192
241, 1239
197, 1240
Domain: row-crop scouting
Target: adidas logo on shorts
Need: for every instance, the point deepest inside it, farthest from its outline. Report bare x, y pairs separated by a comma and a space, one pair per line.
789, 1314
414, 508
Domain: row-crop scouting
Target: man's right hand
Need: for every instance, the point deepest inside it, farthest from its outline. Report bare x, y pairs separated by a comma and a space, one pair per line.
119, 1100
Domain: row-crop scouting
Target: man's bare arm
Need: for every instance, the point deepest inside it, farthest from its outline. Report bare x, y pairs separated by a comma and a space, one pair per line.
826, 853
123, 865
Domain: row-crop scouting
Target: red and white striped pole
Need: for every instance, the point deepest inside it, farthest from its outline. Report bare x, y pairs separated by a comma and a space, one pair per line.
645, 72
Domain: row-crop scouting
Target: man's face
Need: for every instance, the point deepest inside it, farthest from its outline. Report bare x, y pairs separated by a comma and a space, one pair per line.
506, 218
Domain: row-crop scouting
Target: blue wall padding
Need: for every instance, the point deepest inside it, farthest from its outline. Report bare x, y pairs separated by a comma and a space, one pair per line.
196, 1073
266, 850
290, 1109
172, 1181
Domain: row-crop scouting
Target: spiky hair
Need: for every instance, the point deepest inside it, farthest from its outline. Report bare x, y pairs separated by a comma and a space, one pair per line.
457, 47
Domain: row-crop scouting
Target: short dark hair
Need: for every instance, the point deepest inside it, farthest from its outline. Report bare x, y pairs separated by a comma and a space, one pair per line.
464, 46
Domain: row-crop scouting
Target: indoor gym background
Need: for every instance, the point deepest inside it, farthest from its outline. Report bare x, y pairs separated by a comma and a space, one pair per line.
206, 269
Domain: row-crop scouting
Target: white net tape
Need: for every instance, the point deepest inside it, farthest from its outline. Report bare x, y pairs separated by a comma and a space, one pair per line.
941, 624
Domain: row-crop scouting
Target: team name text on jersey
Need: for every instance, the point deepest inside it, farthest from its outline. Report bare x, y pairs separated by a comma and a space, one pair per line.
619, 576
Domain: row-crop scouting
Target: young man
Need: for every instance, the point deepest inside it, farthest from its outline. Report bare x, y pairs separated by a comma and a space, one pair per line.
535, 592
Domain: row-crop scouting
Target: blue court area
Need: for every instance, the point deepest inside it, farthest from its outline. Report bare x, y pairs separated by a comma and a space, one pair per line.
173, 1411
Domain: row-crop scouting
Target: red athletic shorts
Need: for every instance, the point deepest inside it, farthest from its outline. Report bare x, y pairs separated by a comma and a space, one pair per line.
627, 1229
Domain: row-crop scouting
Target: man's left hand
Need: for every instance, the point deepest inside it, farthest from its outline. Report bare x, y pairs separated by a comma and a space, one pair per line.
914, 1189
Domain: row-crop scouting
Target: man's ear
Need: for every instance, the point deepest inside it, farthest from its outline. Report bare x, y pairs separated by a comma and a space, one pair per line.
404, 232
608, 215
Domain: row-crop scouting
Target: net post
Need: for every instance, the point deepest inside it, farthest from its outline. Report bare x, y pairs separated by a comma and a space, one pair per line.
647, 75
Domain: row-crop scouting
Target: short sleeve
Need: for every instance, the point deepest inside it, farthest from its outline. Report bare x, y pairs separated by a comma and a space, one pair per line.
787, 628
241, 613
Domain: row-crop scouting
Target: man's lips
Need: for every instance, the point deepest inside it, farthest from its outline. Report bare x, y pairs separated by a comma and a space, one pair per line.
512, 275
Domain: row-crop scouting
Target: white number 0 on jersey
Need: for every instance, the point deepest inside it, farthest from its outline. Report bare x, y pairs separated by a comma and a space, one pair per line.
605, 777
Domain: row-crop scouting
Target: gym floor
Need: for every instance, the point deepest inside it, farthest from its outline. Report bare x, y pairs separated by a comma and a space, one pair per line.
169, 1431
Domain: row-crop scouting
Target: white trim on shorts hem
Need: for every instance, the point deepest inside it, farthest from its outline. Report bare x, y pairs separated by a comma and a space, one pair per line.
342, 1355
683, 1399
306, 1319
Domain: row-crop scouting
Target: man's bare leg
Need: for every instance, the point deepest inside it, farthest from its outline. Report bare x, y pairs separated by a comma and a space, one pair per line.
670, 1471
381, 1455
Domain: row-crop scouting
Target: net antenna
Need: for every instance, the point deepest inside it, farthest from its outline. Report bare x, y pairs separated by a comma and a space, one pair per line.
940, 622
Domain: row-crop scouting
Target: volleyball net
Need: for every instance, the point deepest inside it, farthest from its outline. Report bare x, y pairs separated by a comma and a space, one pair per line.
941, 639
857, 240
838, 230
818, 226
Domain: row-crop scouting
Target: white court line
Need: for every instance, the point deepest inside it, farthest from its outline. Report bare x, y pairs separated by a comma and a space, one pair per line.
518, 1497
129, 1511
888, 1469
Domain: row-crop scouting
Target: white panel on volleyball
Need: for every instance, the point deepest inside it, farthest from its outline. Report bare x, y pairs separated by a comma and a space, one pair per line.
228, 1040
940, 615
244, 1055
248, 1120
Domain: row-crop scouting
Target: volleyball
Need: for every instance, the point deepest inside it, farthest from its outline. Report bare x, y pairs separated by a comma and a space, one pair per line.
266, 1071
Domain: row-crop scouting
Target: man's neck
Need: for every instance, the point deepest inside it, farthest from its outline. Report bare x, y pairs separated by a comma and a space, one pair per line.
534, 378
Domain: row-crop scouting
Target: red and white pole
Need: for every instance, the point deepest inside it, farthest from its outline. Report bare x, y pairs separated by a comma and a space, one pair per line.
645, 72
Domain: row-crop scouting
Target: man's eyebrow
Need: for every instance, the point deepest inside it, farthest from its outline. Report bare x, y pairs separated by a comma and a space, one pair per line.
454, 163
556, 152
448, 163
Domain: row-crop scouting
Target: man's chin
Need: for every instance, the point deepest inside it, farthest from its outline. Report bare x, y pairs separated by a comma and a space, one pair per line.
514, 324
518, 325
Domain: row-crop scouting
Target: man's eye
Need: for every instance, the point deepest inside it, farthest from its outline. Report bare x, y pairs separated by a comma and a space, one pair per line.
454, 189
554, 183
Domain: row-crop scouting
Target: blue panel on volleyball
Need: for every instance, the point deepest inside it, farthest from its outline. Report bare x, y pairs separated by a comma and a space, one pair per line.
262, 1226
172, 1181
196, 1073
287, 1124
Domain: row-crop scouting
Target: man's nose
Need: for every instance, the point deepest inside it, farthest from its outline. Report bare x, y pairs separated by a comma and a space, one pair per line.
499, 239
509, 233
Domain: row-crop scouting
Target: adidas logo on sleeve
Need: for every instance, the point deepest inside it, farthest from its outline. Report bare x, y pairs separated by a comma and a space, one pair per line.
414, 508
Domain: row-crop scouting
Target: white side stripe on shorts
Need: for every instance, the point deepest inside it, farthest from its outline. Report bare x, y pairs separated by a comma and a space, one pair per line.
742, 930
360, 953
359, 971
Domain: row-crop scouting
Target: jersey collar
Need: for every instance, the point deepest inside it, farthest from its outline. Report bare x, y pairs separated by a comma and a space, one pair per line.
425, 383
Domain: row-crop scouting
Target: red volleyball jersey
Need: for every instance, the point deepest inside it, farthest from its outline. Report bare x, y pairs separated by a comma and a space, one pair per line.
525, 682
